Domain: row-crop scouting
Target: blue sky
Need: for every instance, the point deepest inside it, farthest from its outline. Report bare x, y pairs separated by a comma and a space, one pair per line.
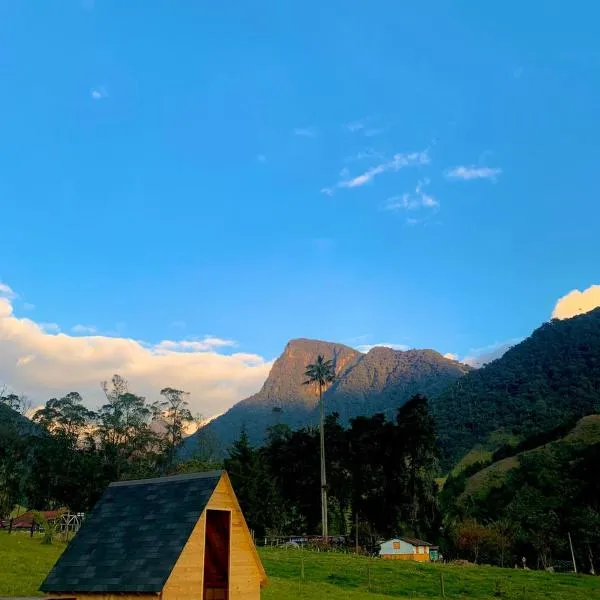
423, 174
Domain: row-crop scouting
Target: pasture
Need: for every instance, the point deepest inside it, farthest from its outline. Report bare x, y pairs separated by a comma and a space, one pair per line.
297, 574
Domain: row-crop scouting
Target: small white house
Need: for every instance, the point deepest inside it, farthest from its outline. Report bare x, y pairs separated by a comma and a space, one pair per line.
403, 548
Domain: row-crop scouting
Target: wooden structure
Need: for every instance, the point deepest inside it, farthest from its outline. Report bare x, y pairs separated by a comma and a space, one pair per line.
403, 548
172, 538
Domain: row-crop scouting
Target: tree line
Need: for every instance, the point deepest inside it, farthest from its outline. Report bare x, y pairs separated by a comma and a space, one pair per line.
383, 476
74, 452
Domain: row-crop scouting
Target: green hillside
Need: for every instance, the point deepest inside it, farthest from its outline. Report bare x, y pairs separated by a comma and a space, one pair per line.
549, 378
586, 432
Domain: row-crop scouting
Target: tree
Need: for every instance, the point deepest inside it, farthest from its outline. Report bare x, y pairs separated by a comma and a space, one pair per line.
128, 443
66, 416
176, 412
471, 536
416, 436
255, 487
321, 374
19, 403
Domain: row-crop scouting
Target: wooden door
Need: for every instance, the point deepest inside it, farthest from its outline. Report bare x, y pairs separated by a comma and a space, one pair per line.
216, 555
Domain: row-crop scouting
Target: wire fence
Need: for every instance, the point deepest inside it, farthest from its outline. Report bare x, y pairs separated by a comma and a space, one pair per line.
305, 568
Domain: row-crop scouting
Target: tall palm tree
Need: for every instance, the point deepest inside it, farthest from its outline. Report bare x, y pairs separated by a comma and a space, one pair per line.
320, 374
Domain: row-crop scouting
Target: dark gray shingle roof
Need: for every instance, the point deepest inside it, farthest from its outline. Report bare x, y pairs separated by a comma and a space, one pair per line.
133, 537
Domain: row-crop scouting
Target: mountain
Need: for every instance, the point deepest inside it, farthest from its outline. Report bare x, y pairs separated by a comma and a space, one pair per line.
549, 378
12, 419
379, 381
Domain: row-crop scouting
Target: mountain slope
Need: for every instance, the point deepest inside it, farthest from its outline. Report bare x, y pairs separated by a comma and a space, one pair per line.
379, 381
549, 378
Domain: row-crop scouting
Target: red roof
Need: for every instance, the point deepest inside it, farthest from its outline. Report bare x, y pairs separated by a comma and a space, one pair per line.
25, 520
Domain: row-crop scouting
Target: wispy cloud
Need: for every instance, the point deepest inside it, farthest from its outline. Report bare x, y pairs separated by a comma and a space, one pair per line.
467, 173
98, 93
28, 306
367, 153
310, 132
84, 329
479, 357
355, 126
50, 327
25, 360
399, 161
373, 131
7, 292
414, 201
206, 344
364, 348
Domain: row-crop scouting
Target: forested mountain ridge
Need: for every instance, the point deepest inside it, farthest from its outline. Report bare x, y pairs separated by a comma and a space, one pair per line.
379, 381
547, 379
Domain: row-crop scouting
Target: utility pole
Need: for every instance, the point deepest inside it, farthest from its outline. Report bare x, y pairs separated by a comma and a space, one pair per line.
572, 553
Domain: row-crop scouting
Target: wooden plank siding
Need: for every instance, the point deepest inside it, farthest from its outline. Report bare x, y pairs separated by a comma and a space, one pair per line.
415, 557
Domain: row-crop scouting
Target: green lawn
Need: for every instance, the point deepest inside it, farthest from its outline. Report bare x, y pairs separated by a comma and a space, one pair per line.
24, 562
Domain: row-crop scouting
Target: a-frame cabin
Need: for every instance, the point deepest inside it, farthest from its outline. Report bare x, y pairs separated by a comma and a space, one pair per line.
173, 538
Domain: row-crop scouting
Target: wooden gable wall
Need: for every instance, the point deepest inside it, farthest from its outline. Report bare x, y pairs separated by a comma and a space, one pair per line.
245, 574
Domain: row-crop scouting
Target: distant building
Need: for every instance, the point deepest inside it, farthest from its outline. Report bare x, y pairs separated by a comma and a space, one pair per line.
403, 548
26, 520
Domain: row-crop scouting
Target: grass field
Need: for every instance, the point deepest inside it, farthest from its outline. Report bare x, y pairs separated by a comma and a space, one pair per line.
24, 562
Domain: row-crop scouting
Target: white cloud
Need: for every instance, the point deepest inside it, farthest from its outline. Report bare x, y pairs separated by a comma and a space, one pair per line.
364, 348
7, 292
577, 302
305, 132
28, 306
451, 356
50, 327
420, 199
98, 93
399, 161
472, 172
327, 191
43, 365
84, 329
